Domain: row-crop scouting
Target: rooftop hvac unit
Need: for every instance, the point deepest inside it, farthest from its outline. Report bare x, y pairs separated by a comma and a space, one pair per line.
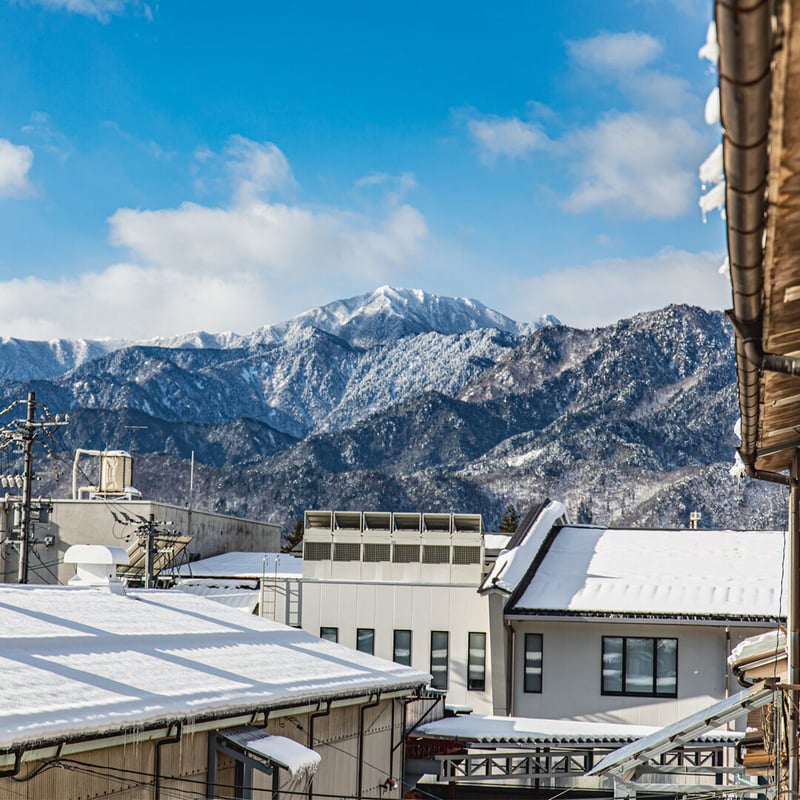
116, 472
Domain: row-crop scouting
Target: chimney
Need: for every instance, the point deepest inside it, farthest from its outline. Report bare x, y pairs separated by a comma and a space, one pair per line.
96, 566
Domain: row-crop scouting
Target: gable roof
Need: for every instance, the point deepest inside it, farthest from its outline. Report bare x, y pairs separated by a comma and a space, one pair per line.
525, 546
81, 662
699, 574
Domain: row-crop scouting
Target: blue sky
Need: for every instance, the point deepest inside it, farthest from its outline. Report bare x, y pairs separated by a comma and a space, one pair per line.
167, 167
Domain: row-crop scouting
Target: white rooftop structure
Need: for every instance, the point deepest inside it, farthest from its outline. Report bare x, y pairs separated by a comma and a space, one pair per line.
76, 661
244, 565
699, 574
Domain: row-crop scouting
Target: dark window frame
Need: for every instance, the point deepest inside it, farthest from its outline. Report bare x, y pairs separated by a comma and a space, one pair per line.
528, 686
442, 684
328, 638
625, 692
394, 646
359, 631
476, 685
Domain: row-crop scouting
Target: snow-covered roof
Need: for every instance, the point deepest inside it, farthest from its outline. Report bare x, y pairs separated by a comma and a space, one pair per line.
721, 574
512, 564
525, 730
496, 541
234, 597
76, 661
763, 645
245, 565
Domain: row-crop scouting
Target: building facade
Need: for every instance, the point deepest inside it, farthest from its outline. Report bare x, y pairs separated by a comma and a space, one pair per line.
403, 586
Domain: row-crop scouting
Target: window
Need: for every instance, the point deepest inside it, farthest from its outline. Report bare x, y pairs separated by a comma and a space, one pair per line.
402, 647
533, 662
640, 665
331, 634
365, 640
476, 662
440, 645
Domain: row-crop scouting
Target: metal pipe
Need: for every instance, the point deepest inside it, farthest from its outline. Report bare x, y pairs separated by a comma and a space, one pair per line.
311, 718
174, 739
793, 631
360, 777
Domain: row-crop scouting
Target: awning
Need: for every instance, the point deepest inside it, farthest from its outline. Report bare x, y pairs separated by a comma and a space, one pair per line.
292, 756
477, 728
621, 762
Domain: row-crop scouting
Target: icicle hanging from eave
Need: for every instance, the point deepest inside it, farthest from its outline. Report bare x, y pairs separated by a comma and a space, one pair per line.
710, 50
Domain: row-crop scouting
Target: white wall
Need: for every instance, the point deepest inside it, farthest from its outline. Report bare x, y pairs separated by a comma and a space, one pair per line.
571, 671
420, 608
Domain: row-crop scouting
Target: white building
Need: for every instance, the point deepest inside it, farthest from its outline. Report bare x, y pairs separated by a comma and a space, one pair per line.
404, 586
158, 693
631, 626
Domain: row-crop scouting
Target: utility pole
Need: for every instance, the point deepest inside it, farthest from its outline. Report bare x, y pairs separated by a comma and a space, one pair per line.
27, 489
24, 432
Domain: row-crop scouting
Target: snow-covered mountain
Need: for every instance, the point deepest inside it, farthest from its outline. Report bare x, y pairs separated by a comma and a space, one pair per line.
404, 400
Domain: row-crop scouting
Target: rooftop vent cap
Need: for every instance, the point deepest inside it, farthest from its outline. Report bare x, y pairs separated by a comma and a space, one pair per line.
95, 566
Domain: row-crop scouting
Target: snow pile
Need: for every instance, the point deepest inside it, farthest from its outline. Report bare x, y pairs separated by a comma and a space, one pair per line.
245, 565
301, 762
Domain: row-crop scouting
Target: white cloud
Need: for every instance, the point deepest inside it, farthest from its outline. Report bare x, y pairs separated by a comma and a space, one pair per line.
220, 268
258, 169
277, 240
102, 10
635, 165
15, 163
509, 137
604, 291
615, 52
395, 186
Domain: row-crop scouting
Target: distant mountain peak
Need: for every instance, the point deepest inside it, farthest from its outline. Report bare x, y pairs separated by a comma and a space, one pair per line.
389, 313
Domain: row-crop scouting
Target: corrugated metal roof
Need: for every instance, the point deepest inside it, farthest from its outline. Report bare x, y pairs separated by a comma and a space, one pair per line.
77, 662
525, 730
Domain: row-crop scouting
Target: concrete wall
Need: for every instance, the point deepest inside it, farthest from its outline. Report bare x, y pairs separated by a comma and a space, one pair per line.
571, 671
418, 607
114, 523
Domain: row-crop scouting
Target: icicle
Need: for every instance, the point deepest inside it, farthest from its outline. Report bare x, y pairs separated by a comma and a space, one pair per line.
725, 269
738, 470
710, 50
712, 107
713, 199
712, 169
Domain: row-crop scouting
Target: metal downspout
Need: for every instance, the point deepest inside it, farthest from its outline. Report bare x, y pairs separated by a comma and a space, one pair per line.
174, 739
510, 656
311, 718
360, 778
793, 631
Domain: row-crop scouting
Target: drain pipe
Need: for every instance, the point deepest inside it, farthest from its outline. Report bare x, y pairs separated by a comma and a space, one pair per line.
360, 779
793, 630
311, 718
174, 739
